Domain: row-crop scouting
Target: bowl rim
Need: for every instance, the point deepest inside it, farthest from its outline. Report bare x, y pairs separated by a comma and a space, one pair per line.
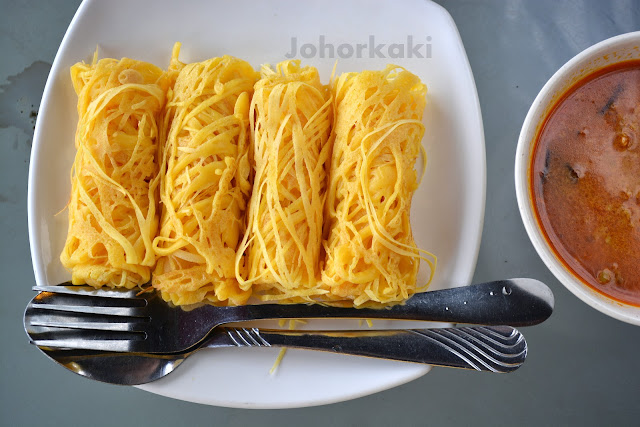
556, 86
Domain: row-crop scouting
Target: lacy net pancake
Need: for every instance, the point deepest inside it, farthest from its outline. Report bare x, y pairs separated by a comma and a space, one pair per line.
205, 181
291, 116
371, 256
112, 210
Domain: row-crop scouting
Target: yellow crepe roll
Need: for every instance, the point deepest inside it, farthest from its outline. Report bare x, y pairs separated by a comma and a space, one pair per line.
291, 115
113, 205
205, 181
371, 257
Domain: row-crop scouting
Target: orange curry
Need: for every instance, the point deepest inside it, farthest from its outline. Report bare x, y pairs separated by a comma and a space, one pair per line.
585, 180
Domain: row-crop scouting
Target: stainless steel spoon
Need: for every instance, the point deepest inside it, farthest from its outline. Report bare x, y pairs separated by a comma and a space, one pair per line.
499, 349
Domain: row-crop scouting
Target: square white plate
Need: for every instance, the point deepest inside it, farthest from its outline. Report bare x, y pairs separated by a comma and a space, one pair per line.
448, 208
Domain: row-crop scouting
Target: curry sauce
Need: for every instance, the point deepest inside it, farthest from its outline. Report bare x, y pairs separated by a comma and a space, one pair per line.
585, 180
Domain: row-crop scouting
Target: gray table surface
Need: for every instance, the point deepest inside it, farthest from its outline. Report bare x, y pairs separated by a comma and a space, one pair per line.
581, 368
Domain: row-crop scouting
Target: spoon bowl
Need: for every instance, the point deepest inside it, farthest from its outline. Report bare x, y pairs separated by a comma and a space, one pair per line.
116, 368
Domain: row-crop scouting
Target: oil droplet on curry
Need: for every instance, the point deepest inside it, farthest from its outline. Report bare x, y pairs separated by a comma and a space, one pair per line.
585, 180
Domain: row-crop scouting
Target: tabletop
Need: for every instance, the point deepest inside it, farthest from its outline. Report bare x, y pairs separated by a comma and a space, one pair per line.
580, 367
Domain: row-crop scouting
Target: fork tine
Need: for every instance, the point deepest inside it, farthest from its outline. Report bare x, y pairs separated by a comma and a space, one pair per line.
88, 291
99, 326
85, 339
85, 344
62, 319
114, 311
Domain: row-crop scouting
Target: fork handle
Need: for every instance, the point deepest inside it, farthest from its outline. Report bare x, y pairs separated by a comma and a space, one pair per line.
495, 349
516, 302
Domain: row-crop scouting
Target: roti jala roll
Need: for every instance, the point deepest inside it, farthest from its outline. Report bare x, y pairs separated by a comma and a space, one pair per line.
371, 257
113, 206
291, 116
205, 182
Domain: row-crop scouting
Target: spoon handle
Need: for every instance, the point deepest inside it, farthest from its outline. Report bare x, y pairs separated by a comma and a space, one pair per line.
483, 348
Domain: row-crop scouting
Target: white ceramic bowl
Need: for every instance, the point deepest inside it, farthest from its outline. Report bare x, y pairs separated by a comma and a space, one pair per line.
610, 51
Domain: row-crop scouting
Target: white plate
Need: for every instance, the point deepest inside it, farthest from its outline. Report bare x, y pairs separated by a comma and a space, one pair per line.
448, 209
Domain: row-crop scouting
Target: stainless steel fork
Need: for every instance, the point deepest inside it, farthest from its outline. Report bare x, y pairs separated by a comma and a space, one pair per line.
79, 317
